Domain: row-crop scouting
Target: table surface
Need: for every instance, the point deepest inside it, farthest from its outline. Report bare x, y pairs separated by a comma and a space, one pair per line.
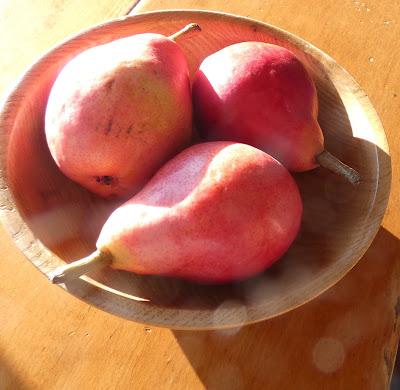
345, 339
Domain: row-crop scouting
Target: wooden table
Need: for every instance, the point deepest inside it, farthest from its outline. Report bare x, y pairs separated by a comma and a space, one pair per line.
345, 339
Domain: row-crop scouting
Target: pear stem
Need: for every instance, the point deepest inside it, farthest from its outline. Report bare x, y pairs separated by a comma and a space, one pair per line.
190, 28
327, 160
96, 260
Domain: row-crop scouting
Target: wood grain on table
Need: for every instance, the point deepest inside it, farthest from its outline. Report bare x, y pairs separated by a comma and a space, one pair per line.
345, 339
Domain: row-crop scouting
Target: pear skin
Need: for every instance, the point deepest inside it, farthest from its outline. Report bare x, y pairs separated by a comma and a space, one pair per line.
216, 212
262, 94
118, 111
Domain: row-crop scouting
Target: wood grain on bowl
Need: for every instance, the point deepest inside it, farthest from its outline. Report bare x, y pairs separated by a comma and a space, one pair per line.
53, 220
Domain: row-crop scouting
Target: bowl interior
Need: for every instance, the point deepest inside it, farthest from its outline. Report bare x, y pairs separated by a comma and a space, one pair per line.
57, 217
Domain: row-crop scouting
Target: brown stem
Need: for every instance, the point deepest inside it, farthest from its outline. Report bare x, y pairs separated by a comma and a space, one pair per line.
190, 28
327, 160
96, 260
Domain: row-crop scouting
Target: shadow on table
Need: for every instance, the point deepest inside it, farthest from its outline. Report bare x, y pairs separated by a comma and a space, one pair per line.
346, 338
395, 383
9, 379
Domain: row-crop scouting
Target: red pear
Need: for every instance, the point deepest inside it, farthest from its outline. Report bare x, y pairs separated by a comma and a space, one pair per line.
262, 94
118, 111
217, 212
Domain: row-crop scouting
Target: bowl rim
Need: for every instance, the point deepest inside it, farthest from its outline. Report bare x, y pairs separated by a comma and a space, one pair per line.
44, 260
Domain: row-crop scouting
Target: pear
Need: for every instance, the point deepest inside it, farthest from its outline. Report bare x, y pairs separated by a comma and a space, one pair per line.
118, 111
216, 212
262, 94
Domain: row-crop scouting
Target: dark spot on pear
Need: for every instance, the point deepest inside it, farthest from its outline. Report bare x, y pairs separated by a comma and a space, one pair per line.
105, 180
109, 126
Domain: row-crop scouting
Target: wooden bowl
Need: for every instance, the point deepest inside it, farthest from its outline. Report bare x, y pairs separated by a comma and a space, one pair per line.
52, 220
